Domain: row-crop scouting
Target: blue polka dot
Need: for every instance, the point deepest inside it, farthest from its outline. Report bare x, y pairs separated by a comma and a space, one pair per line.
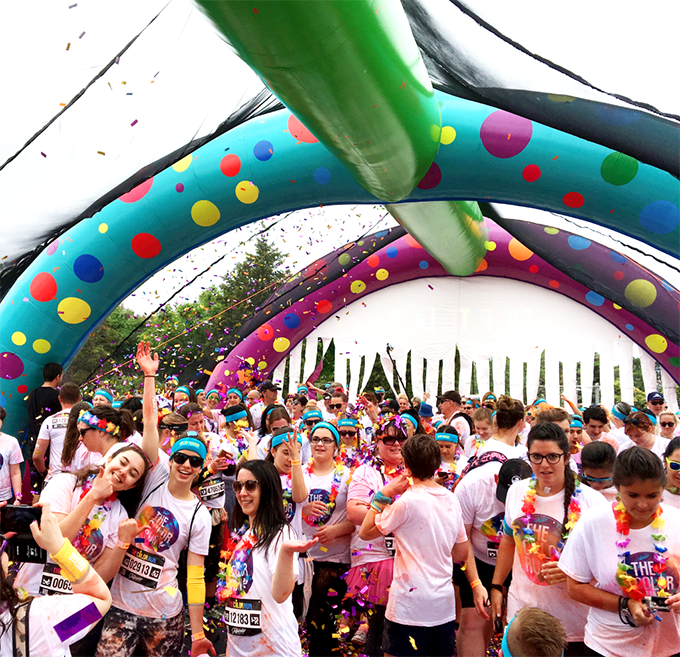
322, 176
291, 321
88, 269
424, 264
629, 327
594, 298
382, 233
617, 115
392, 252
578, 243
617, 257
263, 150
660, 217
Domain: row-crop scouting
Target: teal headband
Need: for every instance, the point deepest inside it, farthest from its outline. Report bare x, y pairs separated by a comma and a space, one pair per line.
210, 392
446, 437
185, 390
232, 417
330, 427
310, 415
491, 397
347, 422
190, 443
199, 391
304, 389
538, 401
576, 422
410, 418
277, 440
104, 393
235, 391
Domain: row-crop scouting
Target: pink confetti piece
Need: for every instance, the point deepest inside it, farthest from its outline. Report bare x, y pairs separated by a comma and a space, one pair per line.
135, 121
82, 35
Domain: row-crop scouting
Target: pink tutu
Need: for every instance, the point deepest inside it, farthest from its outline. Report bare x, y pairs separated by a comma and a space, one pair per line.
371, 581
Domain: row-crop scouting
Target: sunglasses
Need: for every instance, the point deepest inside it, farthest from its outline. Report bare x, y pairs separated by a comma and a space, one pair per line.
335, 407
296, 403
82, 432
346, 434
250, 485
390, 440
595, 480
667, 424
315, 440
550, 458
177, 428
311, 423
194, 461
673, 465
657, 403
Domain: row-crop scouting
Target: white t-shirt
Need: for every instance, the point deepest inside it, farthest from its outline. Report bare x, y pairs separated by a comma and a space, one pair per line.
293, 509
53, 429
44, 614
146, 584
495, 445
659, 447
279, 627
481, 509
256, 413
212, 491
426, 523
10, 454
82, 459
605, 633
670, 499
60, 492
461, 425
320, 489
528, 585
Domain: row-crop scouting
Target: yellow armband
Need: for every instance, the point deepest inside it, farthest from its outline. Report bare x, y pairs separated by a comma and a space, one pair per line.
195, 585
73, 566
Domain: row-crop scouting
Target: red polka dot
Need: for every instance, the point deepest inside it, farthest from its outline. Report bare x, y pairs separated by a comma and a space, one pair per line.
22, 389
618, 275
533, 269
138, 192
573, 200
373, 260
145, 245
411, 242
265, 332
531, 173
299, 132
324, 306
554, 284
482, 266
432, 178
230, 165
43, 287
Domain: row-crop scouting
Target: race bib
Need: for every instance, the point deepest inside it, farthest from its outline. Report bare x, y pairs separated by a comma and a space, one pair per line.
390, 545
142, 567
243, 617
492, 550
53, 582
211, 490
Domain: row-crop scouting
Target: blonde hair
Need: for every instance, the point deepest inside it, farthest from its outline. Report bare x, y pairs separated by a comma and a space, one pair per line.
535, 633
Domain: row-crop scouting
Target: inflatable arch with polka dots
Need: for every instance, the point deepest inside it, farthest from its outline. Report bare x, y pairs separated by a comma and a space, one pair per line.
273, 164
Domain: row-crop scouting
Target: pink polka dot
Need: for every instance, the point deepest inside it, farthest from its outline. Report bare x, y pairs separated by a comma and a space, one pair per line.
22, 389
373, 260
573, 200
533, 269
179, 187
531, 173
138, 192
52, 248
619, 275
230, 165
324, 306
409, 239
554, 284
265, 332
299, 132
145, 245
43, 287
11, 366
504, 134
432, 178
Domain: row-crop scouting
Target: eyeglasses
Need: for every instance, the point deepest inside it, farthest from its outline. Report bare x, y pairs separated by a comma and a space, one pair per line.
335, 407
673, 465
346, 434
311, 423
537, 458
657, 402
194, 461
315, 440
250, 485
390, 440
667, 424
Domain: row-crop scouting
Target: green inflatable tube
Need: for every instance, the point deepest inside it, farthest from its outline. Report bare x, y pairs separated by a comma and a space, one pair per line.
351, 72
453, 232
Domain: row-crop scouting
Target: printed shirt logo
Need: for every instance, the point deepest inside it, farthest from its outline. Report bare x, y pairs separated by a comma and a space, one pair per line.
321, 495
288, 505
642, 569
163, 530
548, 544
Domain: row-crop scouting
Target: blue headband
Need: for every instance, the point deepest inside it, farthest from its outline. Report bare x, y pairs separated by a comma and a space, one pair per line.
277, 440
235, 391
347, 422
330, 427
491, 397
171, 377
185, 390
191, 444
446, 437
199, 391
232, 417
310, 415
410, 418
210, 392
576, 422
104, 393
304, 389
538, 401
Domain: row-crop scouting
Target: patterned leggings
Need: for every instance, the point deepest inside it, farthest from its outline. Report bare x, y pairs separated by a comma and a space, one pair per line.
123, 631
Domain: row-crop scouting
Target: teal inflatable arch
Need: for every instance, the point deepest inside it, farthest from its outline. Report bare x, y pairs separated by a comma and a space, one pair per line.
273, 164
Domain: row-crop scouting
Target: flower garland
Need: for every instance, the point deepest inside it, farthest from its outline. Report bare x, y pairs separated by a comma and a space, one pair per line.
529, 508
81, 542
232, 579
338, 471
628, 583
98, 423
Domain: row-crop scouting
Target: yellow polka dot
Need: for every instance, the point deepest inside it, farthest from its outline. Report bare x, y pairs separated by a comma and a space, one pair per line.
73, 310
18, 338
103, 228
490, 246
640, 293
357, 287
262, 364
246, 192
560, 98
183, 164
435, 132
656, 343
518, 251
281, 344
250, 361
205, 213
550, 230
382, 274
448, 135
616, 306
41, 346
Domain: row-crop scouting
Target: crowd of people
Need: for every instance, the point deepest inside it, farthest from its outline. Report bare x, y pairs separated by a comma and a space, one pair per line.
238, 520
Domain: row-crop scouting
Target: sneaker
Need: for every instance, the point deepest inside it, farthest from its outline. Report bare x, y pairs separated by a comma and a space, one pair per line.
360, 637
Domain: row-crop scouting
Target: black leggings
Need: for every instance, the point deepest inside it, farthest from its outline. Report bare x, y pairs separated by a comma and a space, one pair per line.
328, 590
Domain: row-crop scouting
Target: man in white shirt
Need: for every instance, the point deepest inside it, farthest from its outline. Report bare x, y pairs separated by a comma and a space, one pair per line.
452, 414
269, 393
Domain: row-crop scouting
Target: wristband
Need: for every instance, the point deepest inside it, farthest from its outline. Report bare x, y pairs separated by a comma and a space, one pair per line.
381, 498
120, 544
198, 637
475, 583
296, 461
625, 615
73, 566
149, 376
496, 587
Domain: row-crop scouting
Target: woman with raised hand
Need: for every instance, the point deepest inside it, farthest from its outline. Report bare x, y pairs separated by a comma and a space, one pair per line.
147, 606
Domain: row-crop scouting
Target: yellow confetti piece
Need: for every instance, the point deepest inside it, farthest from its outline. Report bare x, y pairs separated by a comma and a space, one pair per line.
172, 591
323, 549
412, 641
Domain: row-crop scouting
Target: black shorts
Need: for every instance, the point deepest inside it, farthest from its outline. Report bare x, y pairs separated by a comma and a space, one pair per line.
485, 574
401, 640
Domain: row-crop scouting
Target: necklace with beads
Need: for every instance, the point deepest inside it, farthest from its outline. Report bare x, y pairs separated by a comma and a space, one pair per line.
232, 579
81, 541
338, 471
629, 584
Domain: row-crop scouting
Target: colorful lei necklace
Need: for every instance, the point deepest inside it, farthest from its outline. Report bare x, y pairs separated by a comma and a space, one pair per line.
338, 471
81, 542
529, 508
628, 583
232, 580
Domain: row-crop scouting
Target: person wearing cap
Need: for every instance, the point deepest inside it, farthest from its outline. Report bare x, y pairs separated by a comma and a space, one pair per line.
147, 606
426, 414
656, 403
269, 393
449, 407
481, 493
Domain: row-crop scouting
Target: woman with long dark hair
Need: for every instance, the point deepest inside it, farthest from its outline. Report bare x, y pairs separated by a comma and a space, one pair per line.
261, 568
75, 456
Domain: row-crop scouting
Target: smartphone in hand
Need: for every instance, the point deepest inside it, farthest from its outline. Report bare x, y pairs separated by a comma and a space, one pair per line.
22, 546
